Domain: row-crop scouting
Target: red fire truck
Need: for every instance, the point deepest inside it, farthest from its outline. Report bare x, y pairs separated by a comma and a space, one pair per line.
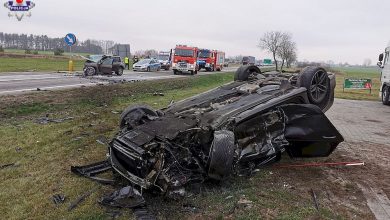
184, 59
211, 60
219, 57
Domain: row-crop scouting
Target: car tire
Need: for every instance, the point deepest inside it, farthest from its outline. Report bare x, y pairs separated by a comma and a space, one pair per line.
192, 72
386, 95
174, 72
317, 83
89, 71
119, 72
167, 68
158, 69
135, 115
148, 69
221, 155
245, 73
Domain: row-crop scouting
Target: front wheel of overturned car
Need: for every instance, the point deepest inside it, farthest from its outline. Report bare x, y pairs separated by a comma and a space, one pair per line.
317, 83
221, 155
245, 73
89, 71
136, 115
119, 72
386, 95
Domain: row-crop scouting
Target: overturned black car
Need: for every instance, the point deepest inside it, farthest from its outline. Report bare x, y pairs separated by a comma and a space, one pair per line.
229, 130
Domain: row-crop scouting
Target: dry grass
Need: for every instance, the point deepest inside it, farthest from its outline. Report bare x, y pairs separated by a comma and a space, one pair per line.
372, 73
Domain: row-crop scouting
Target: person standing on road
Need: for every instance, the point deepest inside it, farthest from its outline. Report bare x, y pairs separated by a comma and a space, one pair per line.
127, 64
135, 59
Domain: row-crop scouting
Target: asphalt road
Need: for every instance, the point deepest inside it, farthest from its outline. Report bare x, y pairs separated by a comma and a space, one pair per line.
14, 83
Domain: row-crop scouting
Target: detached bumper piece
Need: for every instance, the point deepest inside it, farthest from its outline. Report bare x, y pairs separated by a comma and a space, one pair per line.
90, 171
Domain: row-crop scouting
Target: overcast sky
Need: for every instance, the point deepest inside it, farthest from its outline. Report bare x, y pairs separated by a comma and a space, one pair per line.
338, 30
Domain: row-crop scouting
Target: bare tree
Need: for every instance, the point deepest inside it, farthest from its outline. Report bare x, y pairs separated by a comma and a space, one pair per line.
287, 50
146, 53
151, 53
291, 59
271, 42
367, 62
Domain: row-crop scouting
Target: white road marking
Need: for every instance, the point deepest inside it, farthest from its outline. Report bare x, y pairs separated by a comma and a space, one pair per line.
50, 87
26, 77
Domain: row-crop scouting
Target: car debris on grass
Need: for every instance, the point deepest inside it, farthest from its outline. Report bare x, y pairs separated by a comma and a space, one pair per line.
231, 130
47, 120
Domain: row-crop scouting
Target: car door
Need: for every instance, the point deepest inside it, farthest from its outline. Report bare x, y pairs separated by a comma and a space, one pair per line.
116, 64
153, 65
106, 65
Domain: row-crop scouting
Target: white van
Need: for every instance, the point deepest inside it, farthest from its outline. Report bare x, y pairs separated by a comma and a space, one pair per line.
384, 64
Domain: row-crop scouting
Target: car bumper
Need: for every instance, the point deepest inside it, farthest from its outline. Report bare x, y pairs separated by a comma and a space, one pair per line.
140, 68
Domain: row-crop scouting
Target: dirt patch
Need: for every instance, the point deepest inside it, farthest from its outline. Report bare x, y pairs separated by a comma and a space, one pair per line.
337, 188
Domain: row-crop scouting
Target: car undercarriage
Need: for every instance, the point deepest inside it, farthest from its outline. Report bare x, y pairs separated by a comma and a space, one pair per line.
230, 130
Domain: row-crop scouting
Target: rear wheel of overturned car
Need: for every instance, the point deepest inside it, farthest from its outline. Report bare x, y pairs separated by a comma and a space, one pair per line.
136, 115
89, 71
386, 95
221, 155
317, 83
119, 72
245, 73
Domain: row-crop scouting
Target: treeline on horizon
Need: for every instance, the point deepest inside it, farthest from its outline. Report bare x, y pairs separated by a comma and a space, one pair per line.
45, 43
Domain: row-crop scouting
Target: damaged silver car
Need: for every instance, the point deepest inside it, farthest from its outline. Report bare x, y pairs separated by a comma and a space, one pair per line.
230, 130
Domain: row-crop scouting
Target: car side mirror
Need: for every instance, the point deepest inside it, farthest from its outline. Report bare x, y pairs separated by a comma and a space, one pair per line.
381, 57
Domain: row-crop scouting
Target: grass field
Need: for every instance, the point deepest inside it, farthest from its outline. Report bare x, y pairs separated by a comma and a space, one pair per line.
40, 52
42, 156
37, 64
357, 72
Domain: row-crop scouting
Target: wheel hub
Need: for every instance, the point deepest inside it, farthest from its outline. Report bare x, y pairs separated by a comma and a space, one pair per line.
319, 85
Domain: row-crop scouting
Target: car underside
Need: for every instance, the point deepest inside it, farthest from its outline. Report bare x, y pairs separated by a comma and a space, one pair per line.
230, 130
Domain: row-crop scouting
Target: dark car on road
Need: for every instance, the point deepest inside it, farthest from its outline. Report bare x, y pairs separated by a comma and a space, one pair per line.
233, 129
103, 64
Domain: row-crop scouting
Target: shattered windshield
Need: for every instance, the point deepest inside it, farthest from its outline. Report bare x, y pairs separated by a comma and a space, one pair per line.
95, 58
184, 53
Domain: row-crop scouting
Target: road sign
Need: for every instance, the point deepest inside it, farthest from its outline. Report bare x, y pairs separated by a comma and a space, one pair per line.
267, 61
357, 84
70, 39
